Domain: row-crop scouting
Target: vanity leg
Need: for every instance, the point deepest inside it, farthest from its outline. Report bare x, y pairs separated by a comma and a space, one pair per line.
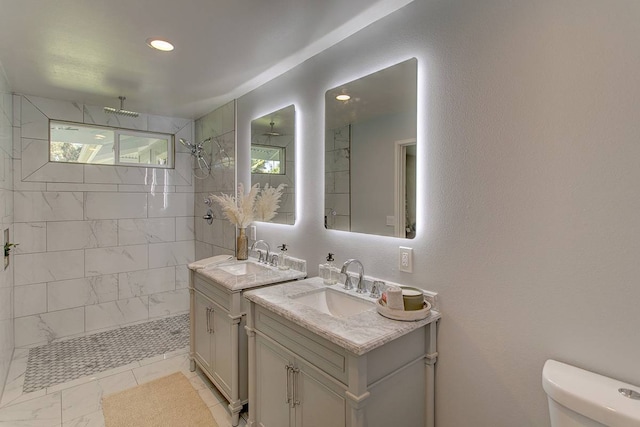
192, 323
251, 334
235, 408
430, 362
235, 418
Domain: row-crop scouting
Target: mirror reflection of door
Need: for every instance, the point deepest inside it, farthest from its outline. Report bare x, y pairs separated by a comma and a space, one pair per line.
405, 188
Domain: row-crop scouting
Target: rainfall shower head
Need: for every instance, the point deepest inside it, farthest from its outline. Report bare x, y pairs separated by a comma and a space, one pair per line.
272, 132
121, 111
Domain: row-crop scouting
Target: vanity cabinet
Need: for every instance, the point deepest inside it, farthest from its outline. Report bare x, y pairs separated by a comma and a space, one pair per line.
292, 392
310, 369
219, 344
218, 340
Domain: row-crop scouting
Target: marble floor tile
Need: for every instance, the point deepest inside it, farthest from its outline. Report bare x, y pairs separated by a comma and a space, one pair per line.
223, 417
209, 394
86, 399
43, 411
95, 419
15, 377
163, 368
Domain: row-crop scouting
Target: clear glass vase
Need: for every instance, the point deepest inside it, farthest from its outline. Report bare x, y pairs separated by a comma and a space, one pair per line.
242, 245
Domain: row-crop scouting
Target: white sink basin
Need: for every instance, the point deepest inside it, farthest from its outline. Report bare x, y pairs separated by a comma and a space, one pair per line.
244, 268
334, 303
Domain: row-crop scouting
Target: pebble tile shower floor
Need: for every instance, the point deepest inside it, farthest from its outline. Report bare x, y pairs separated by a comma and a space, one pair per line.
64, 361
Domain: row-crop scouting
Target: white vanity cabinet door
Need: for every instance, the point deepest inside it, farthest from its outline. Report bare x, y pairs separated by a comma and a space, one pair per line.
213, 340
320, 402
202, 337
273, 385
291, 392
221, 347
218, 340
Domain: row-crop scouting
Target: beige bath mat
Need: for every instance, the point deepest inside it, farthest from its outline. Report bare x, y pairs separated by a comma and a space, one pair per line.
168, 401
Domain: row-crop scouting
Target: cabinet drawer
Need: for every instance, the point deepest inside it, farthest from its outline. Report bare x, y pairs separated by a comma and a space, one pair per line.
215, 293
325, 355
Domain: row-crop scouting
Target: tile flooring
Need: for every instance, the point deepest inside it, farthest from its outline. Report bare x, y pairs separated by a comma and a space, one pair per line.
78, 402
63, 361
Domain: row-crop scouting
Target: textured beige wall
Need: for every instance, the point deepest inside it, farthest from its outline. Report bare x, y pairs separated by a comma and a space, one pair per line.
528, 222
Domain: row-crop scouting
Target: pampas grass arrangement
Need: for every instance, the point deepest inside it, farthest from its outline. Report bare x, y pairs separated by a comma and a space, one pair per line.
242, 209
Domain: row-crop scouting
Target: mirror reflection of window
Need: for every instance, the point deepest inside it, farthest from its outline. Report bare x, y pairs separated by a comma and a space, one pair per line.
369, 184
273, 148
267, 159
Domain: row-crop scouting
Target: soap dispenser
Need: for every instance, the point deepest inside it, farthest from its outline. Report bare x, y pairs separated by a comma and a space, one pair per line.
282, 264
330, 274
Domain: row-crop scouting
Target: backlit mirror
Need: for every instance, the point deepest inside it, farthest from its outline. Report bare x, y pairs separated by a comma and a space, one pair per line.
273, 157
370, 153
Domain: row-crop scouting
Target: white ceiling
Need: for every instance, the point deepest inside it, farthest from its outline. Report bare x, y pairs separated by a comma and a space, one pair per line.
92, 51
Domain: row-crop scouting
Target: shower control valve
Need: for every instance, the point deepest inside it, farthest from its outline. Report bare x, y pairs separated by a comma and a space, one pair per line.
209, 216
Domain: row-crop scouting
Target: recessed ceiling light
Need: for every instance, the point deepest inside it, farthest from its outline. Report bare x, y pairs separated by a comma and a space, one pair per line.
343, 97
160, 44
99, 136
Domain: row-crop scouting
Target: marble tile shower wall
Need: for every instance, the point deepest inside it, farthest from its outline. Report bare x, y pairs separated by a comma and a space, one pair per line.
6, 222
219, 237
100, 246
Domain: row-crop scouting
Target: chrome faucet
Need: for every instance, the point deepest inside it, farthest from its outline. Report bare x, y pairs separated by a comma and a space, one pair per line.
260, 258
347, 282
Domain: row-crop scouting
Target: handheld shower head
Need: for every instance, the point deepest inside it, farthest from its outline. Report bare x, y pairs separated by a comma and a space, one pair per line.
198, 152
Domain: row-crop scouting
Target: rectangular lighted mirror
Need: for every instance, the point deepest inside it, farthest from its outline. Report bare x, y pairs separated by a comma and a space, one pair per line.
370, 153
273, 157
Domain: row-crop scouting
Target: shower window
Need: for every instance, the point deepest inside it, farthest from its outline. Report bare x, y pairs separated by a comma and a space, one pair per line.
75, 143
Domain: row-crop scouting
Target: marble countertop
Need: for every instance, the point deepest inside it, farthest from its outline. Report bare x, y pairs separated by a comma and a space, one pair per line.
228, 273
359, 333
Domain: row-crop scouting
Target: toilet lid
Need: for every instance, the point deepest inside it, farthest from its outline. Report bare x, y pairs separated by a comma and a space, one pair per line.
592, 395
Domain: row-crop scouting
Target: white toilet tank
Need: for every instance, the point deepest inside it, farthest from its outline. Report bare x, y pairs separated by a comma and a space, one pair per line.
579, 398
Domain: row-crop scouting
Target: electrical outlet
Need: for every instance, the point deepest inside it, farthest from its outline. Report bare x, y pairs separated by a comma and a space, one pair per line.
405, 259
252, 232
